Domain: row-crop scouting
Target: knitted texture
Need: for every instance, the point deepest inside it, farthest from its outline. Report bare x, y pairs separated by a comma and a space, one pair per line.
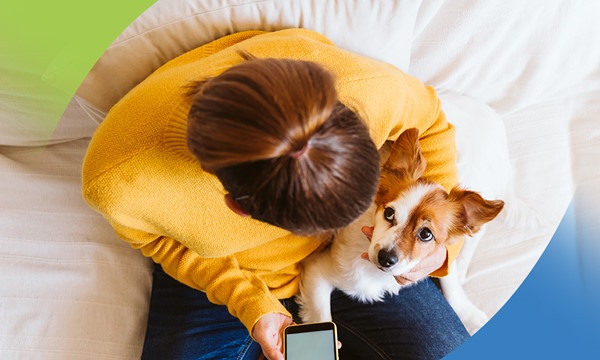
140, 175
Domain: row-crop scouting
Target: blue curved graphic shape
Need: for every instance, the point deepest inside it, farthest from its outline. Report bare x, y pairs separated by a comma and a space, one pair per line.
555, 314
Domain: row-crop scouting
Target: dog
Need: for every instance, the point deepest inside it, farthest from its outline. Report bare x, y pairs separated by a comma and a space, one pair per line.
412, 217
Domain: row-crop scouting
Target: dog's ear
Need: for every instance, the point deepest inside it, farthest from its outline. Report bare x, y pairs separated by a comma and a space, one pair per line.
471, 211
405, 157
404, 165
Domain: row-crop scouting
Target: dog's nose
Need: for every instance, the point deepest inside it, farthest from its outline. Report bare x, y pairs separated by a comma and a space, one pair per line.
387, 258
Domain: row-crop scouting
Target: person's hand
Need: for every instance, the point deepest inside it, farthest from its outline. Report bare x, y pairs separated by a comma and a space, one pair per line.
268, 332
425, 267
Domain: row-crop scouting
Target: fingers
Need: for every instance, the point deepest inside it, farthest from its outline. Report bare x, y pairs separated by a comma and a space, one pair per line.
272, 349
368, 231
268, 332
433, 261
425, 267
415, 274
402, 280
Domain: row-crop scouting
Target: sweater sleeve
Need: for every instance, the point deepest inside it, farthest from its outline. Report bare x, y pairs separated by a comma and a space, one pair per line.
246, 296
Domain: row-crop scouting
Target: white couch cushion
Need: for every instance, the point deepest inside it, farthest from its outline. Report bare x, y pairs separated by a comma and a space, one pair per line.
70, 289
379, 29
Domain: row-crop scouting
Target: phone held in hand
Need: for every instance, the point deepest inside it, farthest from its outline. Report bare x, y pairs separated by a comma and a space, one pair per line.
315, 341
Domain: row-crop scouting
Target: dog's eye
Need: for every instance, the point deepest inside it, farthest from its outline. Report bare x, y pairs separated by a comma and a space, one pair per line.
425, 235
388, 213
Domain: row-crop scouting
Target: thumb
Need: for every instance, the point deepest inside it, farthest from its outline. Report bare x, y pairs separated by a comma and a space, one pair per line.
368, 231
272, 353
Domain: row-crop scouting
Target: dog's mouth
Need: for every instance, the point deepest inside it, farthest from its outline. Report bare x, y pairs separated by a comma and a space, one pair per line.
400, 268
385, 270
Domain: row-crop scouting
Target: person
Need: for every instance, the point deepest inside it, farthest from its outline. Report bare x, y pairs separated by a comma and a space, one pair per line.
233, 162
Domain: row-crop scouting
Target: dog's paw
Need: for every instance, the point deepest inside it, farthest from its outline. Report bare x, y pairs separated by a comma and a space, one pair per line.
307, 316
474, 320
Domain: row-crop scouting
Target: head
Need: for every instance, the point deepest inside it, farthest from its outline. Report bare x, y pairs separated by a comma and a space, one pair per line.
415, 216
285, 149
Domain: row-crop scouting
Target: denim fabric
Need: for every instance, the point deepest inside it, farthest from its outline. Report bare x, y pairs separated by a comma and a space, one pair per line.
418, 323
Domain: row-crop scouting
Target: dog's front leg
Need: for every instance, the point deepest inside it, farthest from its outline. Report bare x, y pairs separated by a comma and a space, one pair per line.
314, 297
467, 312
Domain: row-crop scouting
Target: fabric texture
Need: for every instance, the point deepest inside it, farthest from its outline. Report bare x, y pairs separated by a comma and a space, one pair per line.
139, 174
71, 289
417, 323
170, 28
544, 85
184, 324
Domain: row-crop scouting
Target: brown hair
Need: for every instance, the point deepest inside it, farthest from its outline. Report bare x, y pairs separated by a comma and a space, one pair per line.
283, 146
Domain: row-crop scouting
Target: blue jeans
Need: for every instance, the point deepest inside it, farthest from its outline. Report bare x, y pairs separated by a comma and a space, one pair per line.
418, 323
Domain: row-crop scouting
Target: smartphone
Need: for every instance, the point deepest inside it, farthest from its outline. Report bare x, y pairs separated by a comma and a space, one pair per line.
315, 341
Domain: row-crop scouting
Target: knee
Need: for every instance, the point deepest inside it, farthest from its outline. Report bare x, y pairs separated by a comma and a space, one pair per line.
434, 341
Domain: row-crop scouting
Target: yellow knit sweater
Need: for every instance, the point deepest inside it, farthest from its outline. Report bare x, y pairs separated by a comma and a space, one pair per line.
139, 174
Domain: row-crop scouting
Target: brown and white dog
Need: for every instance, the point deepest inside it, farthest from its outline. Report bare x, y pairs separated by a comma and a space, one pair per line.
412, 217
